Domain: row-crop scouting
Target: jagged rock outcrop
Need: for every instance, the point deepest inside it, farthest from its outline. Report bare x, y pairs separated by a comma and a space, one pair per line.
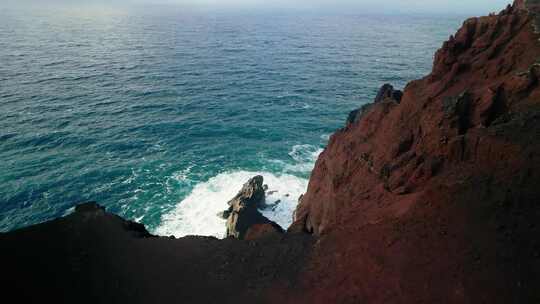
434, 199
386, 94
244, 221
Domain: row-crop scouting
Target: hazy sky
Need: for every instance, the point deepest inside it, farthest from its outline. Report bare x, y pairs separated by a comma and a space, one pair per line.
371, 6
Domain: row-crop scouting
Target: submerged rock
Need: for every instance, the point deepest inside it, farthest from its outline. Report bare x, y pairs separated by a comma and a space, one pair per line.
244, 221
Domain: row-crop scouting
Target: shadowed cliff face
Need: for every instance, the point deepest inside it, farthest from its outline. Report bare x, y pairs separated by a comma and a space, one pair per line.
430, 195
92, 256
435, 199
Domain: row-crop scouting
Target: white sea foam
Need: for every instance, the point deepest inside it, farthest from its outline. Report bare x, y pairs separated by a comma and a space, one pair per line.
304, 156
197, 213
69, 211
305, 153
183, 175
326, 137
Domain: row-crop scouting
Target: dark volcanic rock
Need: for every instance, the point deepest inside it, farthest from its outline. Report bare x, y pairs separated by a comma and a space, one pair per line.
89, 208
386, 94
357, 114
243, 214
92, 256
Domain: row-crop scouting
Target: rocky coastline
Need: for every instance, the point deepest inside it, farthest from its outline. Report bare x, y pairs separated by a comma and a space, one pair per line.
426, 195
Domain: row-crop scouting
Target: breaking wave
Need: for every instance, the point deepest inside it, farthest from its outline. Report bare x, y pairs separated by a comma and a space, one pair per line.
197, 213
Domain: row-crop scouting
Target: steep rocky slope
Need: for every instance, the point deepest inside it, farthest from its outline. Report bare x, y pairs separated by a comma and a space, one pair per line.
430, 195
435, 197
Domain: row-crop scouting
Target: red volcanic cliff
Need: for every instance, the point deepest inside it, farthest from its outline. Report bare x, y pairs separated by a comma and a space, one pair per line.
435, 197
430, 195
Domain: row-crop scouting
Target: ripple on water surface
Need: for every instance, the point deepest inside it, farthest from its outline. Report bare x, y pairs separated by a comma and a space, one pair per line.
161, 116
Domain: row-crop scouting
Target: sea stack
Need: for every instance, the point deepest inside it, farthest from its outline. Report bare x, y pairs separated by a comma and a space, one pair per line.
244, 221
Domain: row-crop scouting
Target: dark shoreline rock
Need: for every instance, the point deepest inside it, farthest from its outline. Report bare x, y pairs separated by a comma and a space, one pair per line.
386, 93
91, 257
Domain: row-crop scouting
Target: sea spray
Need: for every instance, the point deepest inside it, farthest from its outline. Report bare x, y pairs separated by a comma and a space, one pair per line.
197, 214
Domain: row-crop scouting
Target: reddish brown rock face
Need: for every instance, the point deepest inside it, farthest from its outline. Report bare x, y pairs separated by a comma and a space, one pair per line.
436, 199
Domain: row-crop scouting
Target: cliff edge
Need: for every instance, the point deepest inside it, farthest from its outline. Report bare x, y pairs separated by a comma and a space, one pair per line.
434, 198
92, 256
427, 195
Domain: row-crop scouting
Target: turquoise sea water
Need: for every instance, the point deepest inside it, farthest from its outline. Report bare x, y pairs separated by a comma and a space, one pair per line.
160, 115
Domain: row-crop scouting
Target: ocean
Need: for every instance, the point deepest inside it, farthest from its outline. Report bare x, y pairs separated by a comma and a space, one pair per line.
161, 115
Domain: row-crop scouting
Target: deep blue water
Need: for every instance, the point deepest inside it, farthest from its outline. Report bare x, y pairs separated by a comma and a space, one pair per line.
136, 108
